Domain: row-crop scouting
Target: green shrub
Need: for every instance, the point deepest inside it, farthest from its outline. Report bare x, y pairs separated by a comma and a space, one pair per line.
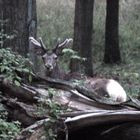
53, 109
8, 130
11, 64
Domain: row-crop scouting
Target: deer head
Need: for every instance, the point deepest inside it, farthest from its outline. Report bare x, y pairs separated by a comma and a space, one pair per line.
50, 57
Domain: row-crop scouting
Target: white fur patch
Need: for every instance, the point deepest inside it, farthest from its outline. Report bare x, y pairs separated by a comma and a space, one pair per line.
116, 91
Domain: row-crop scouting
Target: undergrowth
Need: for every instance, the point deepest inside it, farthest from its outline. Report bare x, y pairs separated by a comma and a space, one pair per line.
13, 65
53, 110
8, 130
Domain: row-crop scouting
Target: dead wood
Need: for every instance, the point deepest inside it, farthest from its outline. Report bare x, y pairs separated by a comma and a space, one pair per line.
26, 114
87, 108
102, 118
89, 95
65, 85
33, 132
38, 130
27, 93
80, 97
20, 92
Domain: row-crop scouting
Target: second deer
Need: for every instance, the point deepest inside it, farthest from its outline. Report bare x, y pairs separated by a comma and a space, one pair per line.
103, 86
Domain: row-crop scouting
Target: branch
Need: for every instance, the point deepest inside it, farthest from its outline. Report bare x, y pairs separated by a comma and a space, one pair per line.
104, 117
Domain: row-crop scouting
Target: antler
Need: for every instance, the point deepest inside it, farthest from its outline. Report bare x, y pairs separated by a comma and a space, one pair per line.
38, 46
34, 41
42, 44
62, 45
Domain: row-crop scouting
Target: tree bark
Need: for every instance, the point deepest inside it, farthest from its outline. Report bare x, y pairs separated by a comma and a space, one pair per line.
21, 22
112, 51
83, 35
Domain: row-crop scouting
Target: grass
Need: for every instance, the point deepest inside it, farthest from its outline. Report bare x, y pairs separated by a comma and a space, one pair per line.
55, 20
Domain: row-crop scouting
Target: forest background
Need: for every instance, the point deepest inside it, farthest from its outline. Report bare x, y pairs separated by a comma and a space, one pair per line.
56, 20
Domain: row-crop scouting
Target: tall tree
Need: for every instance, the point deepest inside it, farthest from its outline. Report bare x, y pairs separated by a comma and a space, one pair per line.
21, 22
83, 35
112, 51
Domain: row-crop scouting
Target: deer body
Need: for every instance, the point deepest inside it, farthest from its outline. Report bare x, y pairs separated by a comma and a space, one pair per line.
105, 87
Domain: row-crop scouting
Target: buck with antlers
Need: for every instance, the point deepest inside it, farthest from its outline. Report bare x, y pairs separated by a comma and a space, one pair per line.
50, 57
105, 87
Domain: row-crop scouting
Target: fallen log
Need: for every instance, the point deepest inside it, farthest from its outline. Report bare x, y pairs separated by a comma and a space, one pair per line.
19, 92
102, 117
31, 94
87, 109
26, 114
33, 132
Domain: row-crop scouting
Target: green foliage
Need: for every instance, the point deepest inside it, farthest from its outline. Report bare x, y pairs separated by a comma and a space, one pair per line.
11, 64
53, 109
3, 112
8, 130
71, 54
51, 132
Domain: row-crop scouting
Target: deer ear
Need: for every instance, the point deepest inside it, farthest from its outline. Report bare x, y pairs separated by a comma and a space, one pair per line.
60, 46
36, 46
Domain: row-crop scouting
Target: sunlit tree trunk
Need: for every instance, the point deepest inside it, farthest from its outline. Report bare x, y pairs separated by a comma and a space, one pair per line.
112, 51
21, 22
83, 35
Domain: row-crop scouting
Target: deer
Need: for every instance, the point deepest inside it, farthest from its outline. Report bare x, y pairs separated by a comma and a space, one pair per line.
50, 57
105, 87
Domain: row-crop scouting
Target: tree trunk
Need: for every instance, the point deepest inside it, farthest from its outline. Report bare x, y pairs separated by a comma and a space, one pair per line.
83, 35
21, 22
112, 51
